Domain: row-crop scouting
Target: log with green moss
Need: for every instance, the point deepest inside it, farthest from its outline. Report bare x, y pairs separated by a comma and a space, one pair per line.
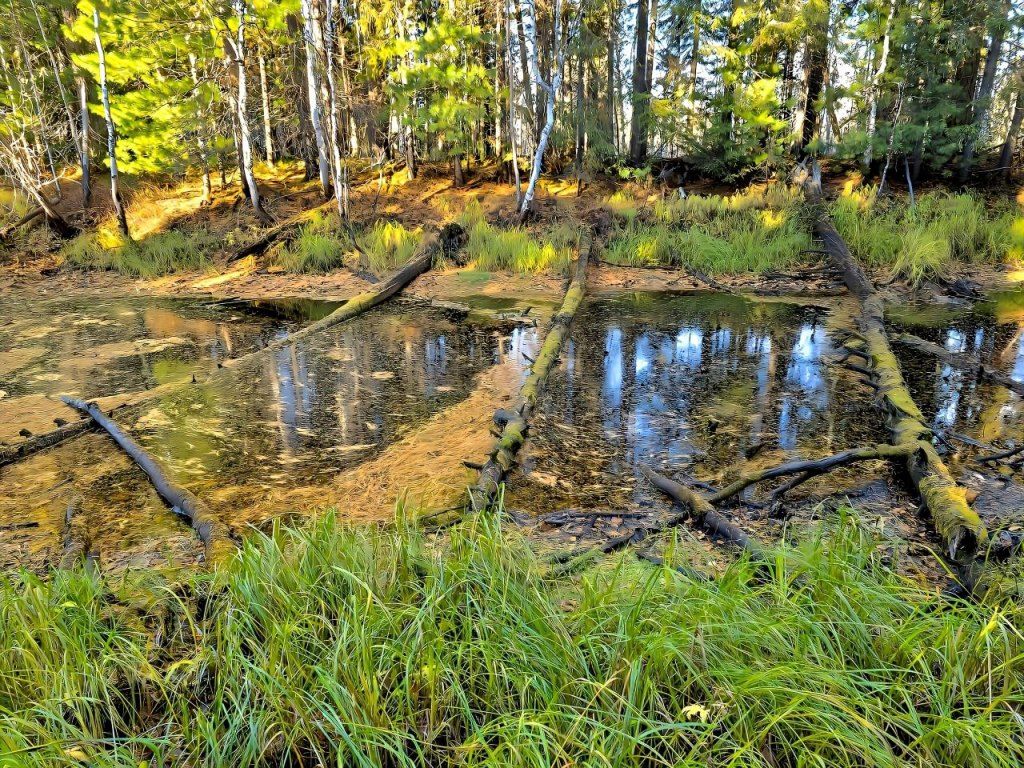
211, 532
960, 528
514, 423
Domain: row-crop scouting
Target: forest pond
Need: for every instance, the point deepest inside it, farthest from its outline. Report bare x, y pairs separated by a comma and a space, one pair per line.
689, 384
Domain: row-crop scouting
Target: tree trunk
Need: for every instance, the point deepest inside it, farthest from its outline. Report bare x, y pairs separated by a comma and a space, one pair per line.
245, 140
115, 193
817, 60
313, 52
459, 179
550, 90
641, 94
1010, 143
83, 148
268, 137
983, 102
873, 90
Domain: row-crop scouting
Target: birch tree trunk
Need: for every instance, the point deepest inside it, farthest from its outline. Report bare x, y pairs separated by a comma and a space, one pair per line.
115, 192
512, 103
883, 63
244, 136
549, 89
313, 51
83, 139
337, 173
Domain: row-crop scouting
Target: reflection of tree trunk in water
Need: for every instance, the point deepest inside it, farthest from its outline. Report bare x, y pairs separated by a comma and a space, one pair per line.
274, 377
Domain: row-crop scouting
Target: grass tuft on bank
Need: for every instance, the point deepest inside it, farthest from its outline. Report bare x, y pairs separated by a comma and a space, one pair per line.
517, 249
755, 231
323, 245
931, 239
159, 254
326, 645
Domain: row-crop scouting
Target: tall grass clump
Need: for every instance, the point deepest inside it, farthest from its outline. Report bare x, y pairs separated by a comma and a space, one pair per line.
158, 254
930, 239
716, 235
327, 645
323, 245
518, 249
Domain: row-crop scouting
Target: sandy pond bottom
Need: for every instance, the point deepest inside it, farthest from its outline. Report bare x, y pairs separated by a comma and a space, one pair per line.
392, 403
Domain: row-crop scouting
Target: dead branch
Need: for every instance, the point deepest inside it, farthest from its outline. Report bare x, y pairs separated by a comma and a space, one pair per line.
961, 360
211, 532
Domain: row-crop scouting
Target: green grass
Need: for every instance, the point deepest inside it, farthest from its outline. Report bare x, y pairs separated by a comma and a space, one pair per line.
519, 249
751, 232
325, 645
322, 246
941, 233
159, 254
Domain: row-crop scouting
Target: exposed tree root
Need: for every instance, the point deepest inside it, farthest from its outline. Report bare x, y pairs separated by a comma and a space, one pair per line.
960, 528
513, 424
961, 360
213, 533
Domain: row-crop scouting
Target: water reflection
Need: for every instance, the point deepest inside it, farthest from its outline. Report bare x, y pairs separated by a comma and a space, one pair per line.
691, 381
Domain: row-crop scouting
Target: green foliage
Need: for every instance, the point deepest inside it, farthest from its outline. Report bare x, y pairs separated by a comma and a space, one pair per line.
439, 90
159, 254
750, 232
327, 645
931, 239
521, 250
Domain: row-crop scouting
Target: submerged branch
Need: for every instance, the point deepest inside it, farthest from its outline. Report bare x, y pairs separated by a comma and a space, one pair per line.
211, 532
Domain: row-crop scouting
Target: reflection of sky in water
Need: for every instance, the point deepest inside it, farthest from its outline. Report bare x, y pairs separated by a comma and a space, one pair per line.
641, 384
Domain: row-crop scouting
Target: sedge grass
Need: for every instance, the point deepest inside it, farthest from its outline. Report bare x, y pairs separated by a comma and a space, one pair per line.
158, 254
322, 245
519, 249
327, 645
755, 231
931, 239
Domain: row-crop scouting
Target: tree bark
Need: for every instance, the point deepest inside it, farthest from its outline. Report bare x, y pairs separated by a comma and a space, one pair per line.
641, 91
983, 101
204, 159
115, 193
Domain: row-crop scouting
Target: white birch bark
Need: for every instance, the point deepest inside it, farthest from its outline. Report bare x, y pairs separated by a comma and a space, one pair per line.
115, 193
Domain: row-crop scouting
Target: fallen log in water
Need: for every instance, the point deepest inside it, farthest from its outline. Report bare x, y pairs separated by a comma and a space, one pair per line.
514, 423
415, 267
12, 453
960, 528
354, 306
961, 360
211, 532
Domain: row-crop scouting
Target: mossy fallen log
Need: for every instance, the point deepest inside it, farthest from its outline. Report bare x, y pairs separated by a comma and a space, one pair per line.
514, 423
212, 533
961, 360
416, 266
353, 307
960, 528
